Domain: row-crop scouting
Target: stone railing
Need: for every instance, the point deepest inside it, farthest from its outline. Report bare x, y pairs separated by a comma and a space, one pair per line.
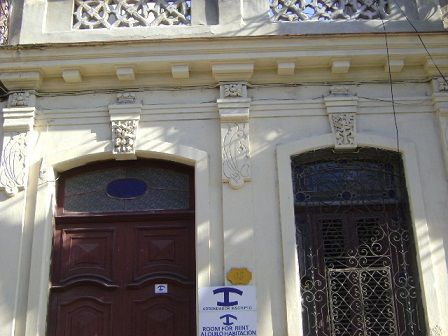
326, 10
4, 21
94, 14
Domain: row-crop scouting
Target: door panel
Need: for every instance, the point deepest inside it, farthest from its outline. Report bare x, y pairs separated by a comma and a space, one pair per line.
104, 275
163, 250
88, 254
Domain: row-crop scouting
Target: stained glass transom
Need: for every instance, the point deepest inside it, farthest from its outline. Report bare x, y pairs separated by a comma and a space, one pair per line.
141, 189
356, 256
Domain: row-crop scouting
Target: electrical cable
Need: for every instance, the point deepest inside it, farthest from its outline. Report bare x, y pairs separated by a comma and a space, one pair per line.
422, 42
386, 40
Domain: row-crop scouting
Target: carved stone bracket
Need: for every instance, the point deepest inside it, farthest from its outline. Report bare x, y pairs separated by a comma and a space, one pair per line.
341, 109
125, 117
440, 103
17, 136
235, 145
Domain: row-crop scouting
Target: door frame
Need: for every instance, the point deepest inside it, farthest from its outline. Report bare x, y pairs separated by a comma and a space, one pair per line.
419, 222
58, 162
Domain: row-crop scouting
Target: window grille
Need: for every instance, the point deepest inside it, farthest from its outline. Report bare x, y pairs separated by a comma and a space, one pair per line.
95, 14
4, 20
324, 10
356, 256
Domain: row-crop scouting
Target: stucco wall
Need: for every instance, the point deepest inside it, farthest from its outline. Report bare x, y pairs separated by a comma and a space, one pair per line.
278, 115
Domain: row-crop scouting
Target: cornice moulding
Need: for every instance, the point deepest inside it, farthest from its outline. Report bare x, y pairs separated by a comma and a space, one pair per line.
216, 60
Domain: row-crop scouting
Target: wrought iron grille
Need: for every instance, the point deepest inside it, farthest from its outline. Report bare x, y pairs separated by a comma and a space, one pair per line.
356, 257
320, 10
4, 20
94, 14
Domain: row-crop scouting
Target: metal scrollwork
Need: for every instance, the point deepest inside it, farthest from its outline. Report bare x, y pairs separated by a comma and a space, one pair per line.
354, 245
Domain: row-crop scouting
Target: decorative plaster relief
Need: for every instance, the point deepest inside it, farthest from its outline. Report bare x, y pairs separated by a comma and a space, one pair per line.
341, 109
124, 133
96, 14
20, 99
339, 91
442, 85
436, 331
126, 98
18, 119
299, 10
233, 90
235, 153
343, 127
234, 115
13, 164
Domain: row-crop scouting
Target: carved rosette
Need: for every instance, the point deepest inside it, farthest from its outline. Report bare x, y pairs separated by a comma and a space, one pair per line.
235, 149
17, 125
341, 109
124, 135
236, 154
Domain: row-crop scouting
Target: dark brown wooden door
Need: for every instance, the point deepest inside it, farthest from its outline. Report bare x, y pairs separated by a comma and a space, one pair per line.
104, 275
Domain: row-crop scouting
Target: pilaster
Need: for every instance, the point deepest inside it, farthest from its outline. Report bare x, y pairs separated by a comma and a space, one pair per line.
440, 102
342, 107
124, 118
18, 121
237, 193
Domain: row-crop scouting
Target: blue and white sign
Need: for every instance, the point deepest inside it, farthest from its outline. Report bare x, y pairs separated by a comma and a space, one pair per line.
227, 311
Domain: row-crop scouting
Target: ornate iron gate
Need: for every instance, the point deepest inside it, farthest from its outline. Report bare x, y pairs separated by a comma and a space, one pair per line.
356, 255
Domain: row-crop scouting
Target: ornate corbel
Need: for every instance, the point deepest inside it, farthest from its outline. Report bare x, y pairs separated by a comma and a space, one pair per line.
124, 118
440, 103
233, 106
18, 121
341, 109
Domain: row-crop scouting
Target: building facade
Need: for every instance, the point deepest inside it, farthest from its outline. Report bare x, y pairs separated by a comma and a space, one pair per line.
159, 141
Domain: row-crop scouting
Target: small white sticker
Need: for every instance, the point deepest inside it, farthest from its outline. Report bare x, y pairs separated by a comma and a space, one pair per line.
161, 288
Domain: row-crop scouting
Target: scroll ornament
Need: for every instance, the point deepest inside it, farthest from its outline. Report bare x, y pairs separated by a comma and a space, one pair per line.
236, 154
13, 164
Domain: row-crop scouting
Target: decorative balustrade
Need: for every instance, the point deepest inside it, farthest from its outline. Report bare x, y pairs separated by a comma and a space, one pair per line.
4, 21
94, 14
324, 10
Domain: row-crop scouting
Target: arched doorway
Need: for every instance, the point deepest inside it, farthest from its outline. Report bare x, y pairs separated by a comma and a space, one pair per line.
123, 259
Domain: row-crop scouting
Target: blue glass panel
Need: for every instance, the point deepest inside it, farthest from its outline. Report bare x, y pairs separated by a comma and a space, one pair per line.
126, 188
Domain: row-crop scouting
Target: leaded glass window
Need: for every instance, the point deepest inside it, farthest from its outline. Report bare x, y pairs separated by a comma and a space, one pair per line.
126, 187
355, 245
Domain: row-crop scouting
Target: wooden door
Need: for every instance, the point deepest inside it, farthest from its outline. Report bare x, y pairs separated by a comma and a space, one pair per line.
104, 274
